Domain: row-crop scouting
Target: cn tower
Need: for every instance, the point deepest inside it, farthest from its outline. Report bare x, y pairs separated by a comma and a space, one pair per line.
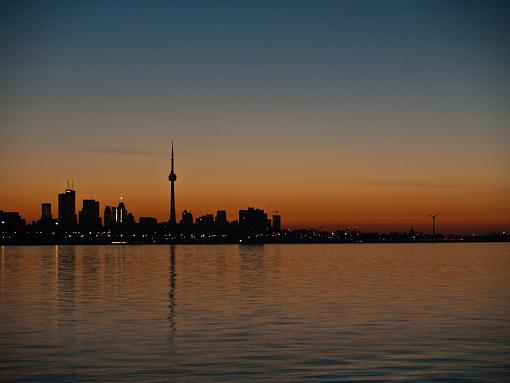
172, 178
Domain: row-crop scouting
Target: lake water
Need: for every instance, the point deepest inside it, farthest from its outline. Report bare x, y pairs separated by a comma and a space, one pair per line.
272, 313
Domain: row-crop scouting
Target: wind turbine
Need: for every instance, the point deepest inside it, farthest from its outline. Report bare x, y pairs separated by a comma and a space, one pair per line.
433, 216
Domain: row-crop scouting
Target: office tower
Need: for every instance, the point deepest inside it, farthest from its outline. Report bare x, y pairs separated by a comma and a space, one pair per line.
187, 218
172, 178
46, 212
107, 216
66, 207
253, 220
121, 212
277, 223
89, 215
130, 219
113, 219
221, 218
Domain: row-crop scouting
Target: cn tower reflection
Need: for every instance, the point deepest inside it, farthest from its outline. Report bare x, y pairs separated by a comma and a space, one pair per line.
171, 291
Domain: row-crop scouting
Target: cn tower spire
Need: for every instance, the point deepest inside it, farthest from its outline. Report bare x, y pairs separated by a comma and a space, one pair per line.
172, 178
172, 156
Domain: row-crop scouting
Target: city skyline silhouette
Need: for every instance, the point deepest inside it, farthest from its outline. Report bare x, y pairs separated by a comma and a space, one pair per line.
336, 114
67, 212
118, 225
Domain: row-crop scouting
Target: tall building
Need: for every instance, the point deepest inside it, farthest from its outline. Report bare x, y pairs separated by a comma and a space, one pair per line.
121, 212
253, 220
187, 218
172, 178
221, 218
277, 223
66, 207
46, 212
113, 219
89, 215
107, 216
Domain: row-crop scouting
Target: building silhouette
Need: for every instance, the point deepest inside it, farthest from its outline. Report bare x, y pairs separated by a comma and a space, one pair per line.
221, 218
10, 220
172, 178
66, 207
253, 220
117, 215
89, 215
277, 223
121, 213
46, 212
107, 216
113, 220
187, 218
205, 220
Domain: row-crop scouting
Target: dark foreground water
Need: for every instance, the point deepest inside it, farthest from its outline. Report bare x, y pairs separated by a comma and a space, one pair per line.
273, 313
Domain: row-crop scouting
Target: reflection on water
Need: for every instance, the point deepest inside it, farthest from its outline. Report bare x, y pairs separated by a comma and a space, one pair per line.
269, 313
171, 291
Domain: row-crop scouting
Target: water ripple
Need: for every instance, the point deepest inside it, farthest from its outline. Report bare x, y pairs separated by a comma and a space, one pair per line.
281, 313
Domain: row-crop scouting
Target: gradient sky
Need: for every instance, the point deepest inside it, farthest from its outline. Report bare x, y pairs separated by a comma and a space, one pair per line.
335, 113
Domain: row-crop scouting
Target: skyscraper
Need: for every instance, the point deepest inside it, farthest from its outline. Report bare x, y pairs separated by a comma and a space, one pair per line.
277, 223
121, 212
89, 215
221, 218
66, 207
46, 212
113, 218
172, 178
107, 216
187, 218
253, 220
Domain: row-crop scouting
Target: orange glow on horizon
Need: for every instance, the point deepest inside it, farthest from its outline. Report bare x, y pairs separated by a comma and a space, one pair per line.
322, 199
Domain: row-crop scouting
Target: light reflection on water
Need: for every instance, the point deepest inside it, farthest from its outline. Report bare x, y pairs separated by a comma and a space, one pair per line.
268, 313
